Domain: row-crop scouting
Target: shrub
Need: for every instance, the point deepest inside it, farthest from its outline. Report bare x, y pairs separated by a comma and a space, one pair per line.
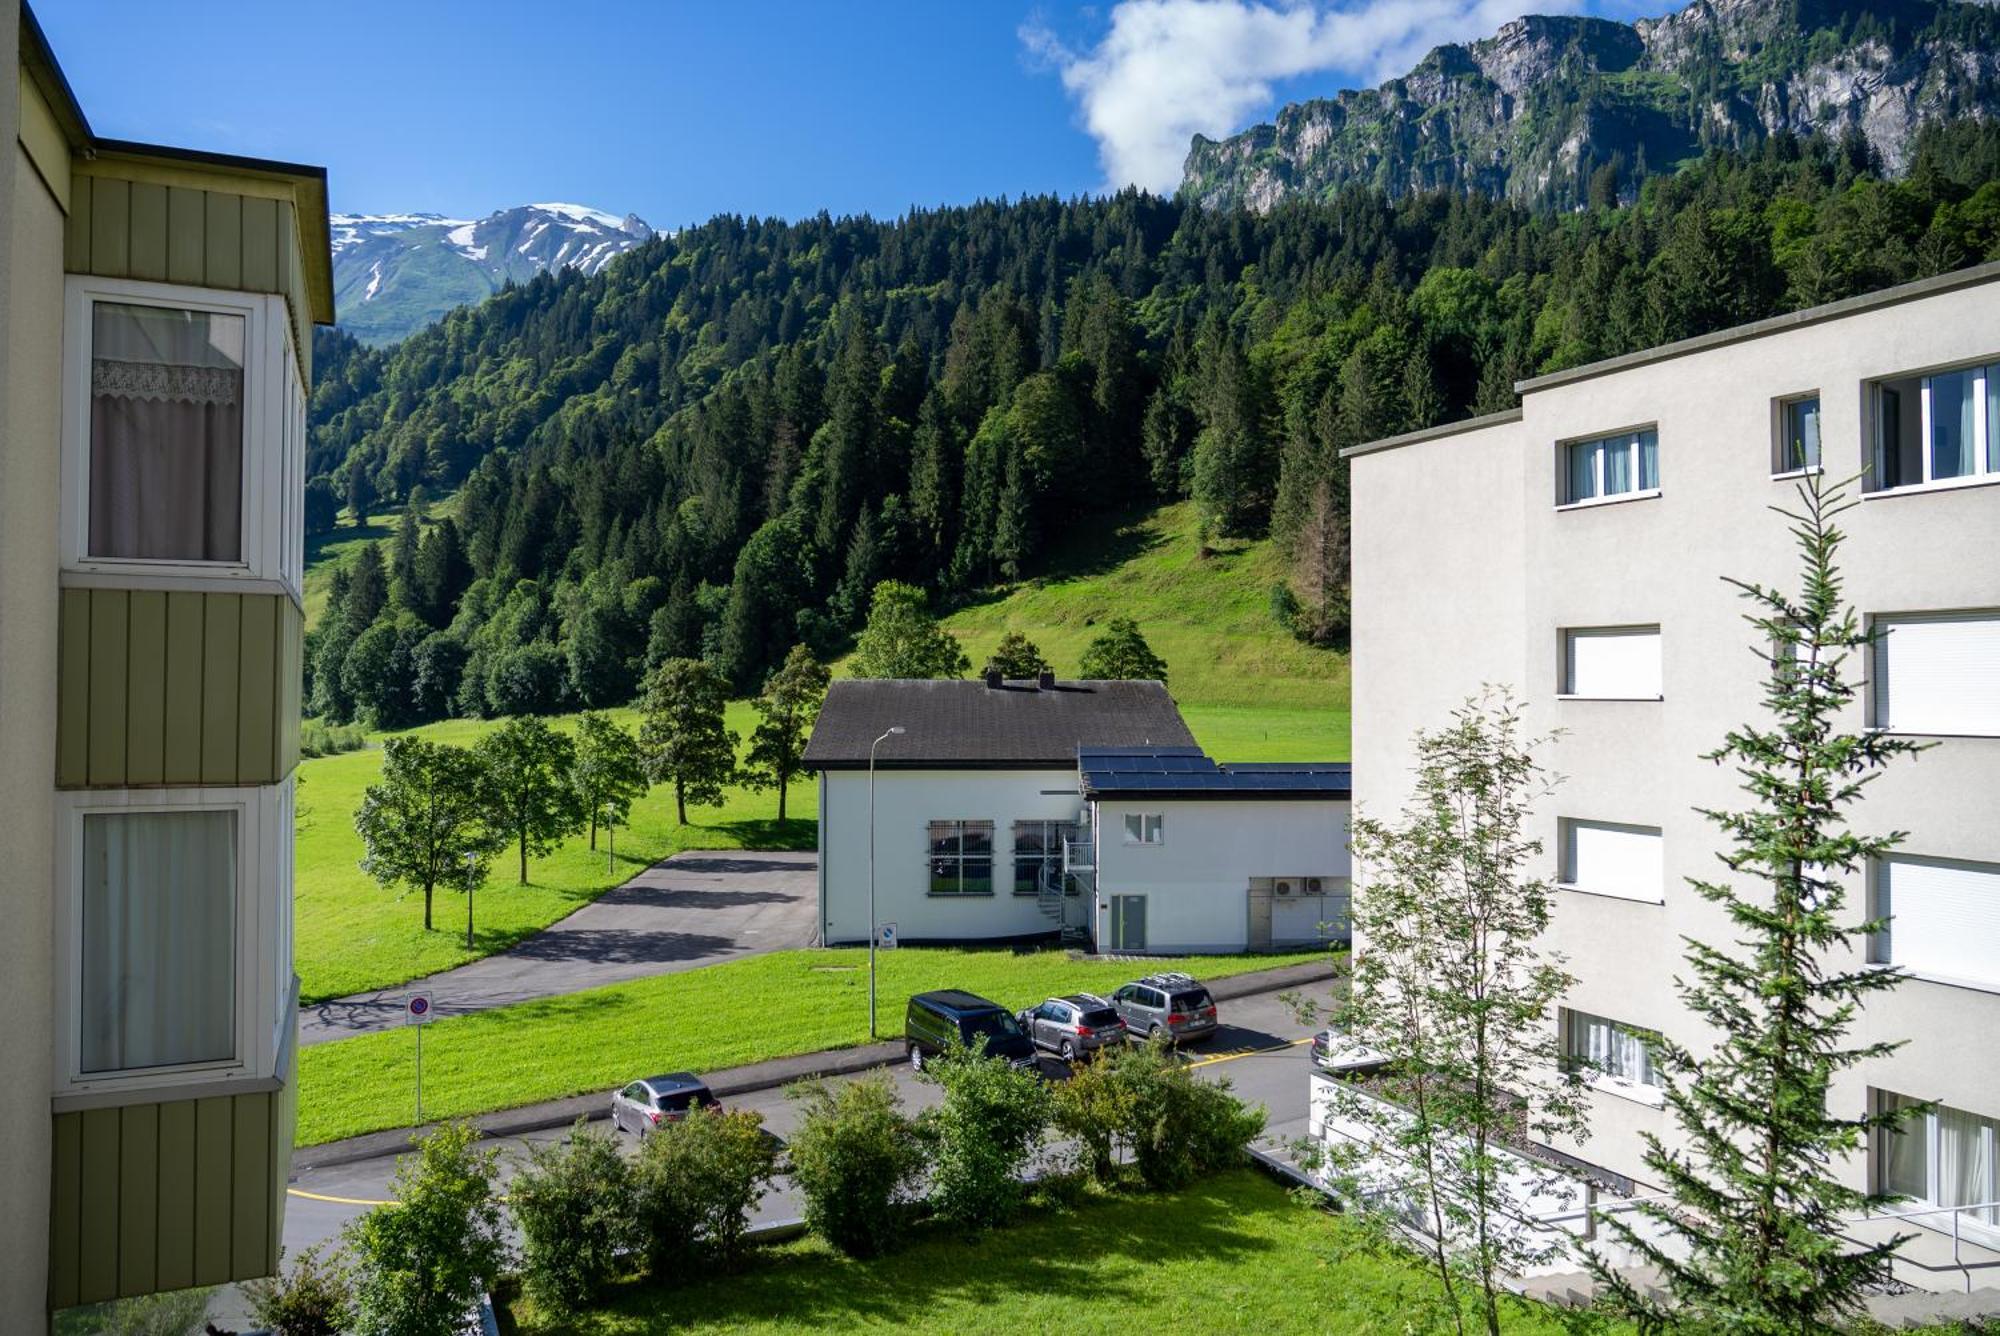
180, 1313
992, 1119
697, 1181
318, 738
1180, 1127
421, 1263
313, 1299
1094, 1107
856, 1158
575, 1205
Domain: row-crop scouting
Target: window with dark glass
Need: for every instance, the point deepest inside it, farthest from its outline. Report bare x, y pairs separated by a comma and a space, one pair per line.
1798, 435
166, 433
1609, 466
961, 857
1037, 856
1939, 428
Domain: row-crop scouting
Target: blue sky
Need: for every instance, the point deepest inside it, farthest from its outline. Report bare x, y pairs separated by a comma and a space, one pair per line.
680, 111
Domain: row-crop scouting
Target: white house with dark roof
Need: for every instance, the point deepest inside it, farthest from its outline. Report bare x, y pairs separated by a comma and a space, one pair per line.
1021, 810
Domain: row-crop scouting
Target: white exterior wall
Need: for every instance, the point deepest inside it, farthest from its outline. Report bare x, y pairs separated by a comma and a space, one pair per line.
906, 802
31, 316
1196, 881
1466, 572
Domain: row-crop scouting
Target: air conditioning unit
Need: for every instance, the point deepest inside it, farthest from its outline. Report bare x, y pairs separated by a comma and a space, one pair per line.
1285, 886
1315, 886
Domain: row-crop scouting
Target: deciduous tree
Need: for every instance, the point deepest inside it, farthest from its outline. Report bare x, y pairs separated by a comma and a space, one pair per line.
609, 772
903, 639
1018, 657
786, 710
1120, 652
424, 826
683, 739
529, 796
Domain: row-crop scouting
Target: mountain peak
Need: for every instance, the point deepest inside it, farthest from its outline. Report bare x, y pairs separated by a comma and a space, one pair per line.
394, 273
1549, 103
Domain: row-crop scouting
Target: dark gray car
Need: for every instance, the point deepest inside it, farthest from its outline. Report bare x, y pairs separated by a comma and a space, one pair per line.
644, 1105
1074, 1026
1175, 1005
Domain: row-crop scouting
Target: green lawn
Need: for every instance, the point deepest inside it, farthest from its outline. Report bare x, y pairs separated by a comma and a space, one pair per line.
718, 1016
352, 935
1208, 617
1231, 1253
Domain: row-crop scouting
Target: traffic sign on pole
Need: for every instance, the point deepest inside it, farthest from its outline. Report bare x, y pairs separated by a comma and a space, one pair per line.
418, 1009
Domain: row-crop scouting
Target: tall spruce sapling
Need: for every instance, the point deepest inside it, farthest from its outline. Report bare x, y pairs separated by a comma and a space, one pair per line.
683, 738
529, 796
1453, 983
1752, 1241
786, 710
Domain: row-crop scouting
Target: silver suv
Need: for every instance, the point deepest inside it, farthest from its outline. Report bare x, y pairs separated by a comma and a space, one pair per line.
1175, 1005
1074, 1026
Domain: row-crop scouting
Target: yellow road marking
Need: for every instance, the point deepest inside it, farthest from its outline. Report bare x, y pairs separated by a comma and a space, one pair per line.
338, 1201
1249, 1052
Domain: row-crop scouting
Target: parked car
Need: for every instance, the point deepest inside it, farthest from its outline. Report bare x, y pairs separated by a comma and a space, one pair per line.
935, 1020
1074, 1026
644, 1105
1337, 1052
1175, 1005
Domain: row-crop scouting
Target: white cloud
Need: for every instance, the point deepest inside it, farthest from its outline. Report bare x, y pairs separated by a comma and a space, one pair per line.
1168, 69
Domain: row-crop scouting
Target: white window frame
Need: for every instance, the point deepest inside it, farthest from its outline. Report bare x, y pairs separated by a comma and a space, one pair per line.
1566, 859
1981, 476
1882, 945
1156, 822
1624, 1087
263, 954
1882, 626
1925, 1125
1631, 434
1566, 668
273, 443
1780, 446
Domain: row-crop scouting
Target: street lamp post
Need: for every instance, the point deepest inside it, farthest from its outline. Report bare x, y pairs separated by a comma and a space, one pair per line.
894, 730
470, 864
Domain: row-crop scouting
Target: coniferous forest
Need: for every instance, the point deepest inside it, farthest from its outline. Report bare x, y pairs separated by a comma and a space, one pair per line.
718, 445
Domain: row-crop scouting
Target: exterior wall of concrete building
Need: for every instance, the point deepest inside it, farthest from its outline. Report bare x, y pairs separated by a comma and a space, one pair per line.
1431, 624
906, 802
1197, 879
31, 317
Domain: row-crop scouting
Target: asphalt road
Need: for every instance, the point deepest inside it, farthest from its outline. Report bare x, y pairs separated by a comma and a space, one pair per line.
690, 910
1260, 1050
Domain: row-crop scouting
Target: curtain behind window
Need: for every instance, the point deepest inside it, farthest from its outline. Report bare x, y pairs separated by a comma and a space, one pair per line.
159, 963
1965, 1161
166, 433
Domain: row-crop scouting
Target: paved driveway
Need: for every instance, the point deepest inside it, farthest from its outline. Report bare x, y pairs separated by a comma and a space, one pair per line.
689, 910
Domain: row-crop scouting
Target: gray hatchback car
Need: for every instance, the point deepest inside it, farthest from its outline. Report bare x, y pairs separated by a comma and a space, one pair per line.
1074, 1026
1175, 1005
644, 1105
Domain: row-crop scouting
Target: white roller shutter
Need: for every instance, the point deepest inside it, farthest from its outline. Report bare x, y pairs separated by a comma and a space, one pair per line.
1944, 917
1938, 673
1609, 859
1617, 662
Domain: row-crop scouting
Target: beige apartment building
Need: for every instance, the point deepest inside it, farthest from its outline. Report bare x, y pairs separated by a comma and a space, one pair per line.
1575, 549
156, 308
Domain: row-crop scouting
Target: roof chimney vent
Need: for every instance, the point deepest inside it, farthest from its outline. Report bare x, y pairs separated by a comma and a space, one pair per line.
992, 677
1047, 680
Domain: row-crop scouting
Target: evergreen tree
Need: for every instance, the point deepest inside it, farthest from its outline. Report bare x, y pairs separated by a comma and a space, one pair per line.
526, 781
368, 587
683, 738
786, 710
1120, 652
403, 556
1753, 1240
902, 639
423, 826
609, 773
1018, 657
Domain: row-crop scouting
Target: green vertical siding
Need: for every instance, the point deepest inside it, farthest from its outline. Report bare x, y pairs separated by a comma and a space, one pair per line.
166, 1195
177, 688
177, 234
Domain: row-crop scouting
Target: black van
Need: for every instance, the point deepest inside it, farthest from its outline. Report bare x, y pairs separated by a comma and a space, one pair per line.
936, 1019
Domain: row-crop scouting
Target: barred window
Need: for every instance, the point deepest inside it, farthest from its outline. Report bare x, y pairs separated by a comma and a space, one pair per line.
1037, 855
961, 857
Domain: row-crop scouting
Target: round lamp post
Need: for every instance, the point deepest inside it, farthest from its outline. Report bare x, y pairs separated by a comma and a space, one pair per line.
895, 730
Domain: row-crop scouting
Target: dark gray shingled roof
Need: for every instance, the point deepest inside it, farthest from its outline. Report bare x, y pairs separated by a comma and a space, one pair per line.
967, 725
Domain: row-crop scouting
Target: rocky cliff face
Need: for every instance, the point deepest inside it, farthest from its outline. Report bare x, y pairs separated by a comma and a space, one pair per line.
1533, 111
395, 273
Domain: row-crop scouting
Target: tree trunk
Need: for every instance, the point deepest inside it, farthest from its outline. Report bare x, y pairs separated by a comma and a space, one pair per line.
427, 906
593, 830
524, 855
680, 801
782, 786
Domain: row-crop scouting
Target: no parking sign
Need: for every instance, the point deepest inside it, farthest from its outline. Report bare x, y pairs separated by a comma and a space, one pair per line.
419, 1007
